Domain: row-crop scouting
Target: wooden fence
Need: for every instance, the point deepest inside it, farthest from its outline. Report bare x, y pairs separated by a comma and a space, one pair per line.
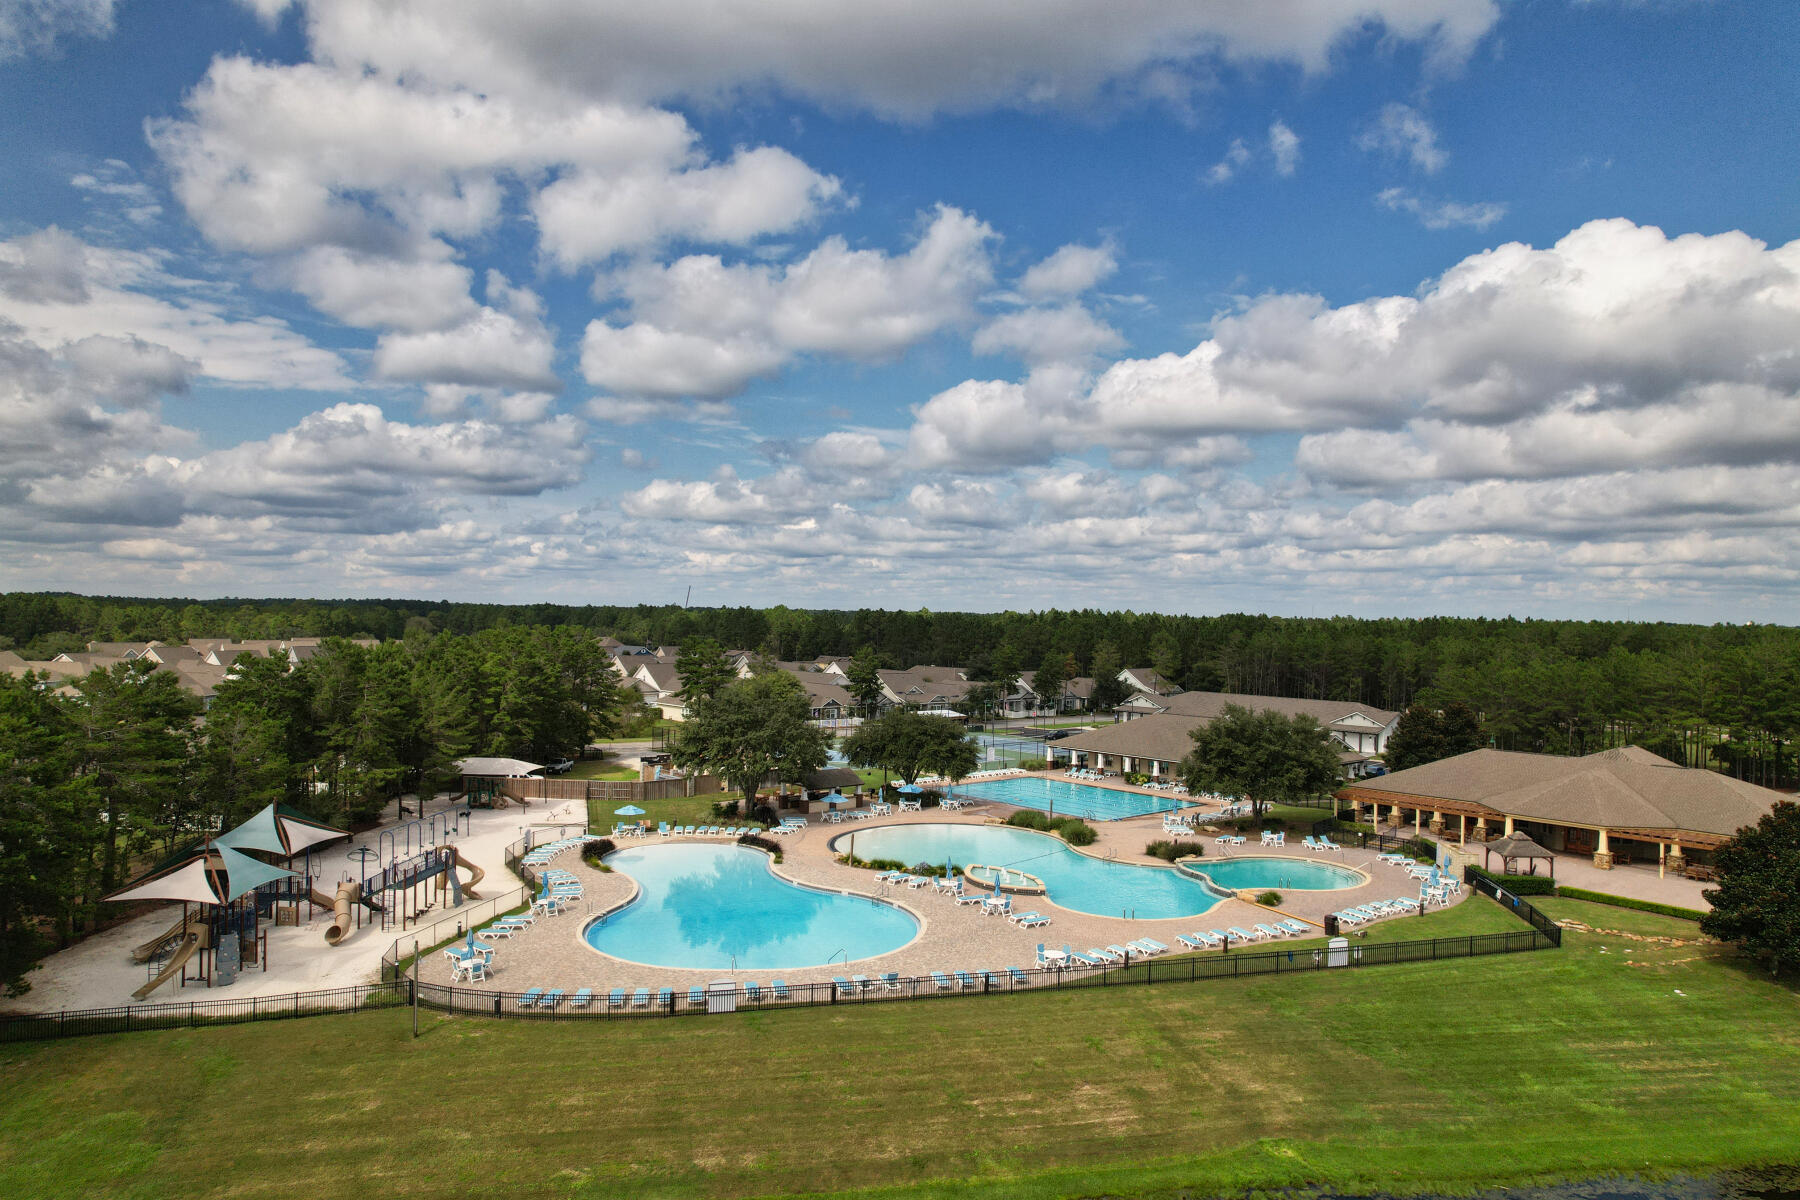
621, 791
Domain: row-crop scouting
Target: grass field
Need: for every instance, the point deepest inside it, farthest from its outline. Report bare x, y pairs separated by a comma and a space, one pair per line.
1469, 1073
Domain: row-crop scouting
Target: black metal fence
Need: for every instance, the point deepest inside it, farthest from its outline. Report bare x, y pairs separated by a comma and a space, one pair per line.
634, 1002
193, 1013
1540, 924
630, 1002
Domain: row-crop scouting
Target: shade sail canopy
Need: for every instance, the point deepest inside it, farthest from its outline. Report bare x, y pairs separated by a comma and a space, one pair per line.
246, 874
188, 880
503, 768
279, 830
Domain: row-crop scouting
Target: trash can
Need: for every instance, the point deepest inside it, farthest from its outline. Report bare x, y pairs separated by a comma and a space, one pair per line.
1331, 925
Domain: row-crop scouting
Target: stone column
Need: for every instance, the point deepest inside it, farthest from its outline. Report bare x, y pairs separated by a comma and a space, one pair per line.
1437, 822
1481, 829
1677, 860
1603, 853
1396, 815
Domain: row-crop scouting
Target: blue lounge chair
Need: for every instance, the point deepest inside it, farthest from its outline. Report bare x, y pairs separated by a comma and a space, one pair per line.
551, 999
943, 981
863, 983
1155, 946
1242, 935
779, 987
891, 980
696, 997
1077, 956
663, 997
615, 998
990, 980
529, 999
1033, 920
844, 986
582, 998
1192, 943
640, 998
753, 993
1270, 932
1019, 978
1123, 953
1294, 927
966, 981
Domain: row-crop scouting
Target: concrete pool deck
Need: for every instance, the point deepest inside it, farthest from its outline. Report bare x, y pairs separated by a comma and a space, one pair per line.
552, 953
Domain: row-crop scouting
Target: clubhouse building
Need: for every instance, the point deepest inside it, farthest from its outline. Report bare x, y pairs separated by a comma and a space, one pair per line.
1620, 805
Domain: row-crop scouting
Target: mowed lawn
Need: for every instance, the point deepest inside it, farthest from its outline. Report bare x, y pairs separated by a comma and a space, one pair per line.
1611, 1054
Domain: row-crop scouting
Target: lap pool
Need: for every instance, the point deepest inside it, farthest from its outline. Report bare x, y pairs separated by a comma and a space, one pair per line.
1067, 799
721, 907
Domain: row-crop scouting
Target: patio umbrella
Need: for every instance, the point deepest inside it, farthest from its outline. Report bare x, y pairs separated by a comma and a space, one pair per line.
837, 797
630, 810
910, 789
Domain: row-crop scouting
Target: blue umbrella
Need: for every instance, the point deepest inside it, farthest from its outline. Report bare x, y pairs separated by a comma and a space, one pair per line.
630, 810
910, 789
836, 798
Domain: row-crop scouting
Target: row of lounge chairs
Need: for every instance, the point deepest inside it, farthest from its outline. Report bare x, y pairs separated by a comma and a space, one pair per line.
1212, 939
1375, 910
734, 830
1320, 843
539, 856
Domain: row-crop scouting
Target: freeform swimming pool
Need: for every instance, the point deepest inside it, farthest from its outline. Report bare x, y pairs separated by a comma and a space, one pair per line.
1067, 799
721, 907
1075, 881
1278, 873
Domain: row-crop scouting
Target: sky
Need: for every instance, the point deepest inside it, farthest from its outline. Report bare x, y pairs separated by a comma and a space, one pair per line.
1377, 307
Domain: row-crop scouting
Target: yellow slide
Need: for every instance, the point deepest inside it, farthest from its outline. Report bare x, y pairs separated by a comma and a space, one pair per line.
173, 969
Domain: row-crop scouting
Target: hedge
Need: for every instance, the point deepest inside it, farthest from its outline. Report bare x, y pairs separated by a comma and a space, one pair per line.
1649, 906
1520, 885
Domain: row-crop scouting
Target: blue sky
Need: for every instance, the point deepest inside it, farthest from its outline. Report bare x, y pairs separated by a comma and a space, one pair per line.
1397, 307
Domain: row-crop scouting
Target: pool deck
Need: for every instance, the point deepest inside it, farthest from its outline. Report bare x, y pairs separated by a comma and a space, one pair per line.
552, 954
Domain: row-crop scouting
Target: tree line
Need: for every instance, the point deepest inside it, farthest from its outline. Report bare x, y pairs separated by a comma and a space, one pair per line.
105, 776
1720, 696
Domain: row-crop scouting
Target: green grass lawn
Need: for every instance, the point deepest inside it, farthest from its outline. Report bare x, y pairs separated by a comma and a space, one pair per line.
680, 810
1460, 1074
604, 768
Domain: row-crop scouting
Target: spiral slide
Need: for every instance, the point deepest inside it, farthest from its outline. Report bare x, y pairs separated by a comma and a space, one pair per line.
476, 874
343, 921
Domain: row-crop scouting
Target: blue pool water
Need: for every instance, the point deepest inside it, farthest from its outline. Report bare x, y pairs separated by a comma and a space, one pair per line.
721, 906
1298, 874
1067, 799
1071, 880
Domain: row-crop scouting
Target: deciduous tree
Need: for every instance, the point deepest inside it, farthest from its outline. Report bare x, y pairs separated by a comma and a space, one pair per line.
1266, 757
750, 730
1757, 903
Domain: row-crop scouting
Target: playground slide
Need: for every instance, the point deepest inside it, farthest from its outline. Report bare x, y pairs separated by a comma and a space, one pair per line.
343, 921
173, 969
147, 951
476, 874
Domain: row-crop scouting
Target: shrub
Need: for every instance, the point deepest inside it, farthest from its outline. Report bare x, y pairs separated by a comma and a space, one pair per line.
1170, 851
1032, 764
594, 850
1649, 906
1269, 899
1077, 832
1136, 778
1520, 885
1029, 818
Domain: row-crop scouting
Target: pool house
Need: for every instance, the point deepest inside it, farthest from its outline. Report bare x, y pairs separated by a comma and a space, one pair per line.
1618, 806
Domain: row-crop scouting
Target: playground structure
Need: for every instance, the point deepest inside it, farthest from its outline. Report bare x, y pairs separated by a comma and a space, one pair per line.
417, 885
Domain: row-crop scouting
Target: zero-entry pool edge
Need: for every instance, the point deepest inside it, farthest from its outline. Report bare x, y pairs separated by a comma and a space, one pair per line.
666, 924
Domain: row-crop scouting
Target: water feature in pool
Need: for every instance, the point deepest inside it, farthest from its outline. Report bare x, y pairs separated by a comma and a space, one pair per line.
1074, 881
721, 907
1067, 799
